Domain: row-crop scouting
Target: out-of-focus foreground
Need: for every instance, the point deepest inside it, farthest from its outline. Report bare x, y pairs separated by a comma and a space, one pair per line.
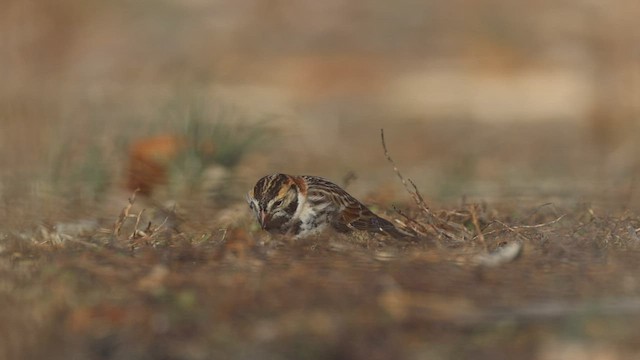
516, 120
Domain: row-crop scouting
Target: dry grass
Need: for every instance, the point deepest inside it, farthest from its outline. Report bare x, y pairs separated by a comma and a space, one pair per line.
481, 281
201, 294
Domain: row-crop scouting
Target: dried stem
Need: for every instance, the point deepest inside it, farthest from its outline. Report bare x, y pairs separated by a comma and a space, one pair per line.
476, 225
137, 232
432, 219
124, 214
415, 195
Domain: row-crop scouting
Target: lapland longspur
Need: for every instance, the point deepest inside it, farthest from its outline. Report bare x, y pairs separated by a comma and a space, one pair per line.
307, 205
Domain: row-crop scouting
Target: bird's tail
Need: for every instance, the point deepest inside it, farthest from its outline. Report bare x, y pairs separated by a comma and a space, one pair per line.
382, 226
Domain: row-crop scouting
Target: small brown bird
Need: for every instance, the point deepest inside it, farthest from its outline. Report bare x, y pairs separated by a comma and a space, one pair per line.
307, 205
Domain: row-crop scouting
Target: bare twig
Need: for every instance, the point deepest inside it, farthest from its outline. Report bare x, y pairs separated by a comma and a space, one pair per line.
476, 225
412, 221
539, 225
415, 194
420, 198
155, 231
512, 229
124, 214
517, 227
395, 168
538, 208
432, 220
136, 232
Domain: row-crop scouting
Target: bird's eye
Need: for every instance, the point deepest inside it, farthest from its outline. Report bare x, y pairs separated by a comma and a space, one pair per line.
277, 203
251, 206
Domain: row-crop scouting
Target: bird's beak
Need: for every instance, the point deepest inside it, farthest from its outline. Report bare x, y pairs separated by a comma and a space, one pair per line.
264, 218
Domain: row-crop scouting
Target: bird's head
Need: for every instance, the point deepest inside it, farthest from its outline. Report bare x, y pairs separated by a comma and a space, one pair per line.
274, 200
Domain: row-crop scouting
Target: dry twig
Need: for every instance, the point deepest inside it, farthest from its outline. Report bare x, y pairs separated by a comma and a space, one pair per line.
515, 229
417, 226
476, 225
124, 214
136, 232
539, 225
432, 219
414, 195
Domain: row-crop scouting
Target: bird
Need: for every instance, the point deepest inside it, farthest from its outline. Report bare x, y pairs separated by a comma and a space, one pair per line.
304, 206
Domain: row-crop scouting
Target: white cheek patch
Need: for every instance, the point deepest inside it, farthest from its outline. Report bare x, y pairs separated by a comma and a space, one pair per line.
253, 203
302, 205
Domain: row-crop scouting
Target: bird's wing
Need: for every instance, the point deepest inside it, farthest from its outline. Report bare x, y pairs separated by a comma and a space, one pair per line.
352, 214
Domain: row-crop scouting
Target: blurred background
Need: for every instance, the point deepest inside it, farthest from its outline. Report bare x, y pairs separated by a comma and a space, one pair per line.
485, 98
511, 104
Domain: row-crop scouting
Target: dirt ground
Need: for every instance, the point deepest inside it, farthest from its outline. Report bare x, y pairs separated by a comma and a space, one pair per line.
545, 274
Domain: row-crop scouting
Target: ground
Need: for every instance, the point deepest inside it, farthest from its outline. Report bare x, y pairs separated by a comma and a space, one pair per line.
527, 278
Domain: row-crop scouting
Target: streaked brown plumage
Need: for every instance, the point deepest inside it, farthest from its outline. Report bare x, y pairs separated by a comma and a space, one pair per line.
307, 205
